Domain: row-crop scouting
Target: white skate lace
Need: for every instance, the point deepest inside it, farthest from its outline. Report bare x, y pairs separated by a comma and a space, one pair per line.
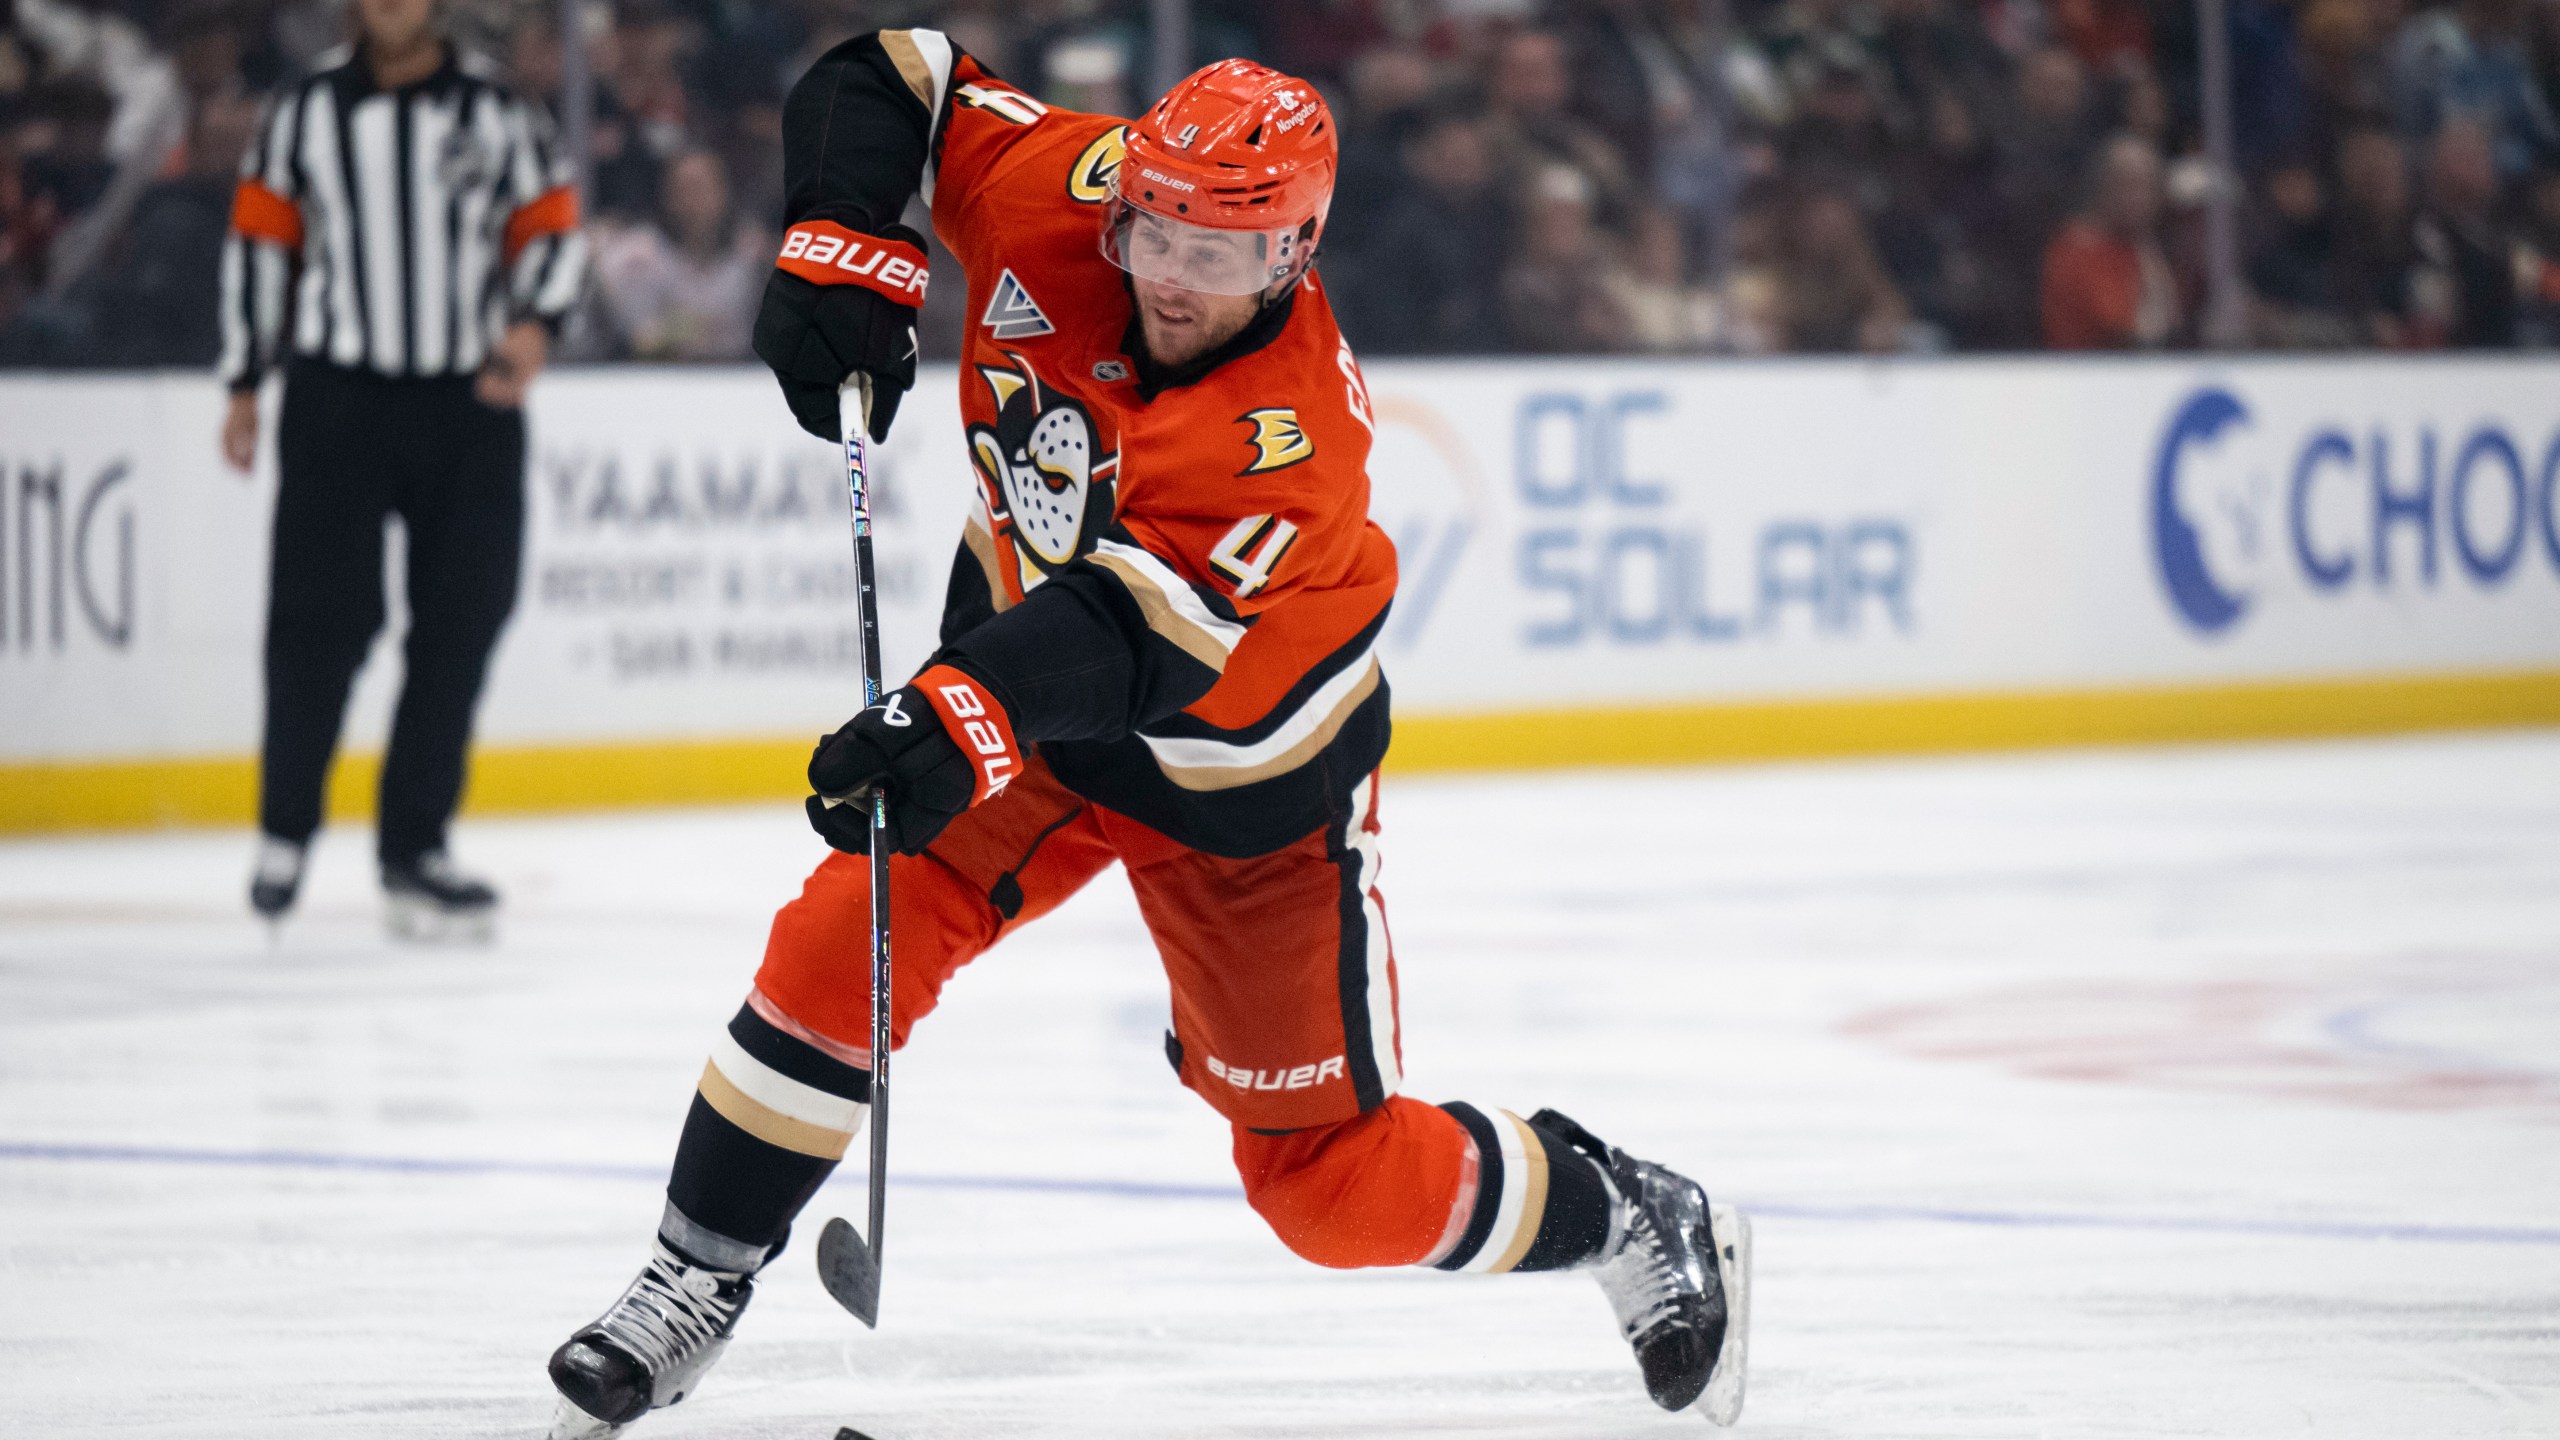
1642, 1279
668, 1314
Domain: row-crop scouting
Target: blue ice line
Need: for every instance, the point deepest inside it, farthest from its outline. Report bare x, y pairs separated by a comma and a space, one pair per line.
1143, 1190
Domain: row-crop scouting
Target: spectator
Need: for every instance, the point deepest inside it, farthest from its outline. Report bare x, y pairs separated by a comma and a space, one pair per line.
1836, 295
1429, 280
1941, 232
1389, 89
1665, 312
2538, 265
2375, 255
2469, 59
2465, 282
1755, 314
2106, 283
1555, 295
156, 301
2292, 271
2044, 152
1533, 132
2267, 97
1939, 52
1962, 132
1807, 40
641, 109
2346, 76
1651, 84
1842, 139
17, 239
2104, 34
685, 290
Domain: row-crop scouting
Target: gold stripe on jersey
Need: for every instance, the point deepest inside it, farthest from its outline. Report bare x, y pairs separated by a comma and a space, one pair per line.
900, 46
1198, 765
1172, 611
982, 548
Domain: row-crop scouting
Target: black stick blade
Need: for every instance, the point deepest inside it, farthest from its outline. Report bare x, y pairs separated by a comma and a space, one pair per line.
849, 1433
850, 1271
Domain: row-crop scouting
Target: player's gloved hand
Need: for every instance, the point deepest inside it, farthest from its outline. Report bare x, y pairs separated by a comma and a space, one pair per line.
939, 745
840, 302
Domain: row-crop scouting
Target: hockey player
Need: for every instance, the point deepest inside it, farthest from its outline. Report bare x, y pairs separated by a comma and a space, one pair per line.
1159, 648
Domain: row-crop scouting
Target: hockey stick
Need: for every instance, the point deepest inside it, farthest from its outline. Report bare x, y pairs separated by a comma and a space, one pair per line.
849, 1264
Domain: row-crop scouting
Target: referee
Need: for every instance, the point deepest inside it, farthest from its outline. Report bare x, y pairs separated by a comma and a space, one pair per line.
405, 241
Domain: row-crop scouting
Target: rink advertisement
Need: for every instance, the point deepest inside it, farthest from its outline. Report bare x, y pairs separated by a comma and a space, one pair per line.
1610, 560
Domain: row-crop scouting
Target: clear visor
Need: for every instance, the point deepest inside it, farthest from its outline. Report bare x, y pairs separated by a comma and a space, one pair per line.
1195, 257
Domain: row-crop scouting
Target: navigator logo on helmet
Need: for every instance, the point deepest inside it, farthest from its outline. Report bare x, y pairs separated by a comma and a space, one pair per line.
1225, 184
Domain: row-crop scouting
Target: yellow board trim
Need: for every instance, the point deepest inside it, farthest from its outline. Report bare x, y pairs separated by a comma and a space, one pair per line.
222, 790
2021, 720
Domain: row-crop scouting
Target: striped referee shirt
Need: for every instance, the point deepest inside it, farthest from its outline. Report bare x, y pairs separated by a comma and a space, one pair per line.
397, 231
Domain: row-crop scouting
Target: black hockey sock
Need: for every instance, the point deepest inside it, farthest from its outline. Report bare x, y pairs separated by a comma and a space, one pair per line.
770, 1120
1540, 1203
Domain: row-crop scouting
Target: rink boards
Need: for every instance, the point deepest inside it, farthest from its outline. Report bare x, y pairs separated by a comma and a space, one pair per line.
1603, 562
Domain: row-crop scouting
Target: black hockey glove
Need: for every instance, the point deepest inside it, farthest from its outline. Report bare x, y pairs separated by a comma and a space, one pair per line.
841, 303
939, 745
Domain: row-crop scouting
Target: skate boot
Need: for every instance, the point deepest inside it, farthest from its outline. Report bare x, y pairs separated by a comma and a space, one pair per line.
430, 900
276, 879
650, 1350
1677, 1270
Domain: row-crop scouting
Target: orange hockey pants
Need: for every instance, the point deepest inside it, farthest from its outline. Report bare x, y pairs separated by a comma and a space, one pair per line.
1283, 987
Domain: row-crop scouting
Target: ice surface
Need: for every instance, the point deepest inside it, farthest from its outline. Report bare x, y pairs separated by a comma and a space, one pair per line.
2212, 1092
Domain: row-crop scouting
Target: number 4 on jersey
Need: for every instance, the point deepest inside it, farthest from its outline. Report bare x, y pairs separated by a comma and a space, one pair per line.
1252, 550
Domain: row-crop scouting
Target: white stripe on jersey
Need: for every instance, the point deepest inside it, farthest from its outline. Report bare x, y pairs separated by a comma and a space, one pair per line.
378, 182
1381, 990
430, 236
935, 47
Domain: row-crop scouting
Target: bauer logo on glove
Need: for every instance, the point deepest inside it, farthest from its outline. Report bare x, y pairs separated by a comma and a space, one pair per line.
939, 745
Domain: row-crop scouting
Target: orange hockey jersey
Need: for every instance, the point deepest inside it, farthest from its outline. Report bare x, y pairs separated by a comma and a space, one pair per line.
1206, 532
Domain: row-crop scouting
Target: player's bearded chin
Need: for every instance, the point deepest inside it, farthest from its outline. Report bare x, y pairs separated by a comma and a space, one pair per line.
1181, 325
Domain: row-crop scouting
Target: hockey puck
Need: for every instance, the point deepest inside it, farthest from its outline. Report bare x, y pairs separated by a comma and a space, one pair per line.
847, 1432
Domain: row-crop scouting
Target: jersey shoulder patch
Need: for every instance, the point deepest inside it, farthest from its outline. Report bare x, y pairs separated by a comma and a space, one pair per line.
1089, 182
1011, 312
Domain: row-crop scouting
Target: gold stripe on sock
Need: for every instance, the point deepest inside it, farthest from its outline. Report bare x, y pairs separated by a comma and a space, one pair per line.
772, 1126
1533, 1195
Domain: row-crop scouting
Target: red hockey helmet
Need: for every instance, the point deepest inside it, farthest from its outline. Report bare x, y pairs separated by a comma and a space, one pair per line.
1225, 184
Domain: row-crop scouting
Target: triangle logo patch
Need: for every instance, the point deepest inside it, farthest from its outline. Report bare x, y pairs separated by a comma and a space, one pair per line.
1013, 314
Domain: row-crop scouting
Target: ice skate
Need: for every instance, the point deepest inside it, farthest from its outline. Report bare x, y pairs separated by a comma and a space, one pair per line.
275, 880
1677, 1270
429, 900
650, 1350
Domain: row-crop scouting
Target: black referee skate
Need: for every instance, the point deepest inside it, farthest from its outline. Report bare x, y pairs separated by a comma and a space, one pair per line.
650, 1350
1677, 1270
432, 901
276, 879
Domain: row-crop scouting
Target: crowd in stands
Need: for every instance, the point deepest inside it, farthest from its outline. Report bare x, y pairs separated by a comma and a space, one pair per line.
1518, 176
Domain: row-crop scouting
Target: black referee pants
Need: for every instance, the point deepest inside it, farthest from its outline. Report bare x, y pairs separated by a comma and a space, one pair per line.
356, 449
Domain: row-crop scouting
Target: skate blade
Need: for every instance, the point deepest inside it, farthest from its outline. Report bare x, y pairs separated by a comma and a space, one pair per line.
568, 1422
423, 922
1722, 1402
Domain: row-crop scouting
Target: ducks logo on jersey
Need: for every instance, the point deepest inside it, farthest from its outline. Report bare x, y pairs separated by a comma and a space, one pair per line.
1279, 441
1044, 461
